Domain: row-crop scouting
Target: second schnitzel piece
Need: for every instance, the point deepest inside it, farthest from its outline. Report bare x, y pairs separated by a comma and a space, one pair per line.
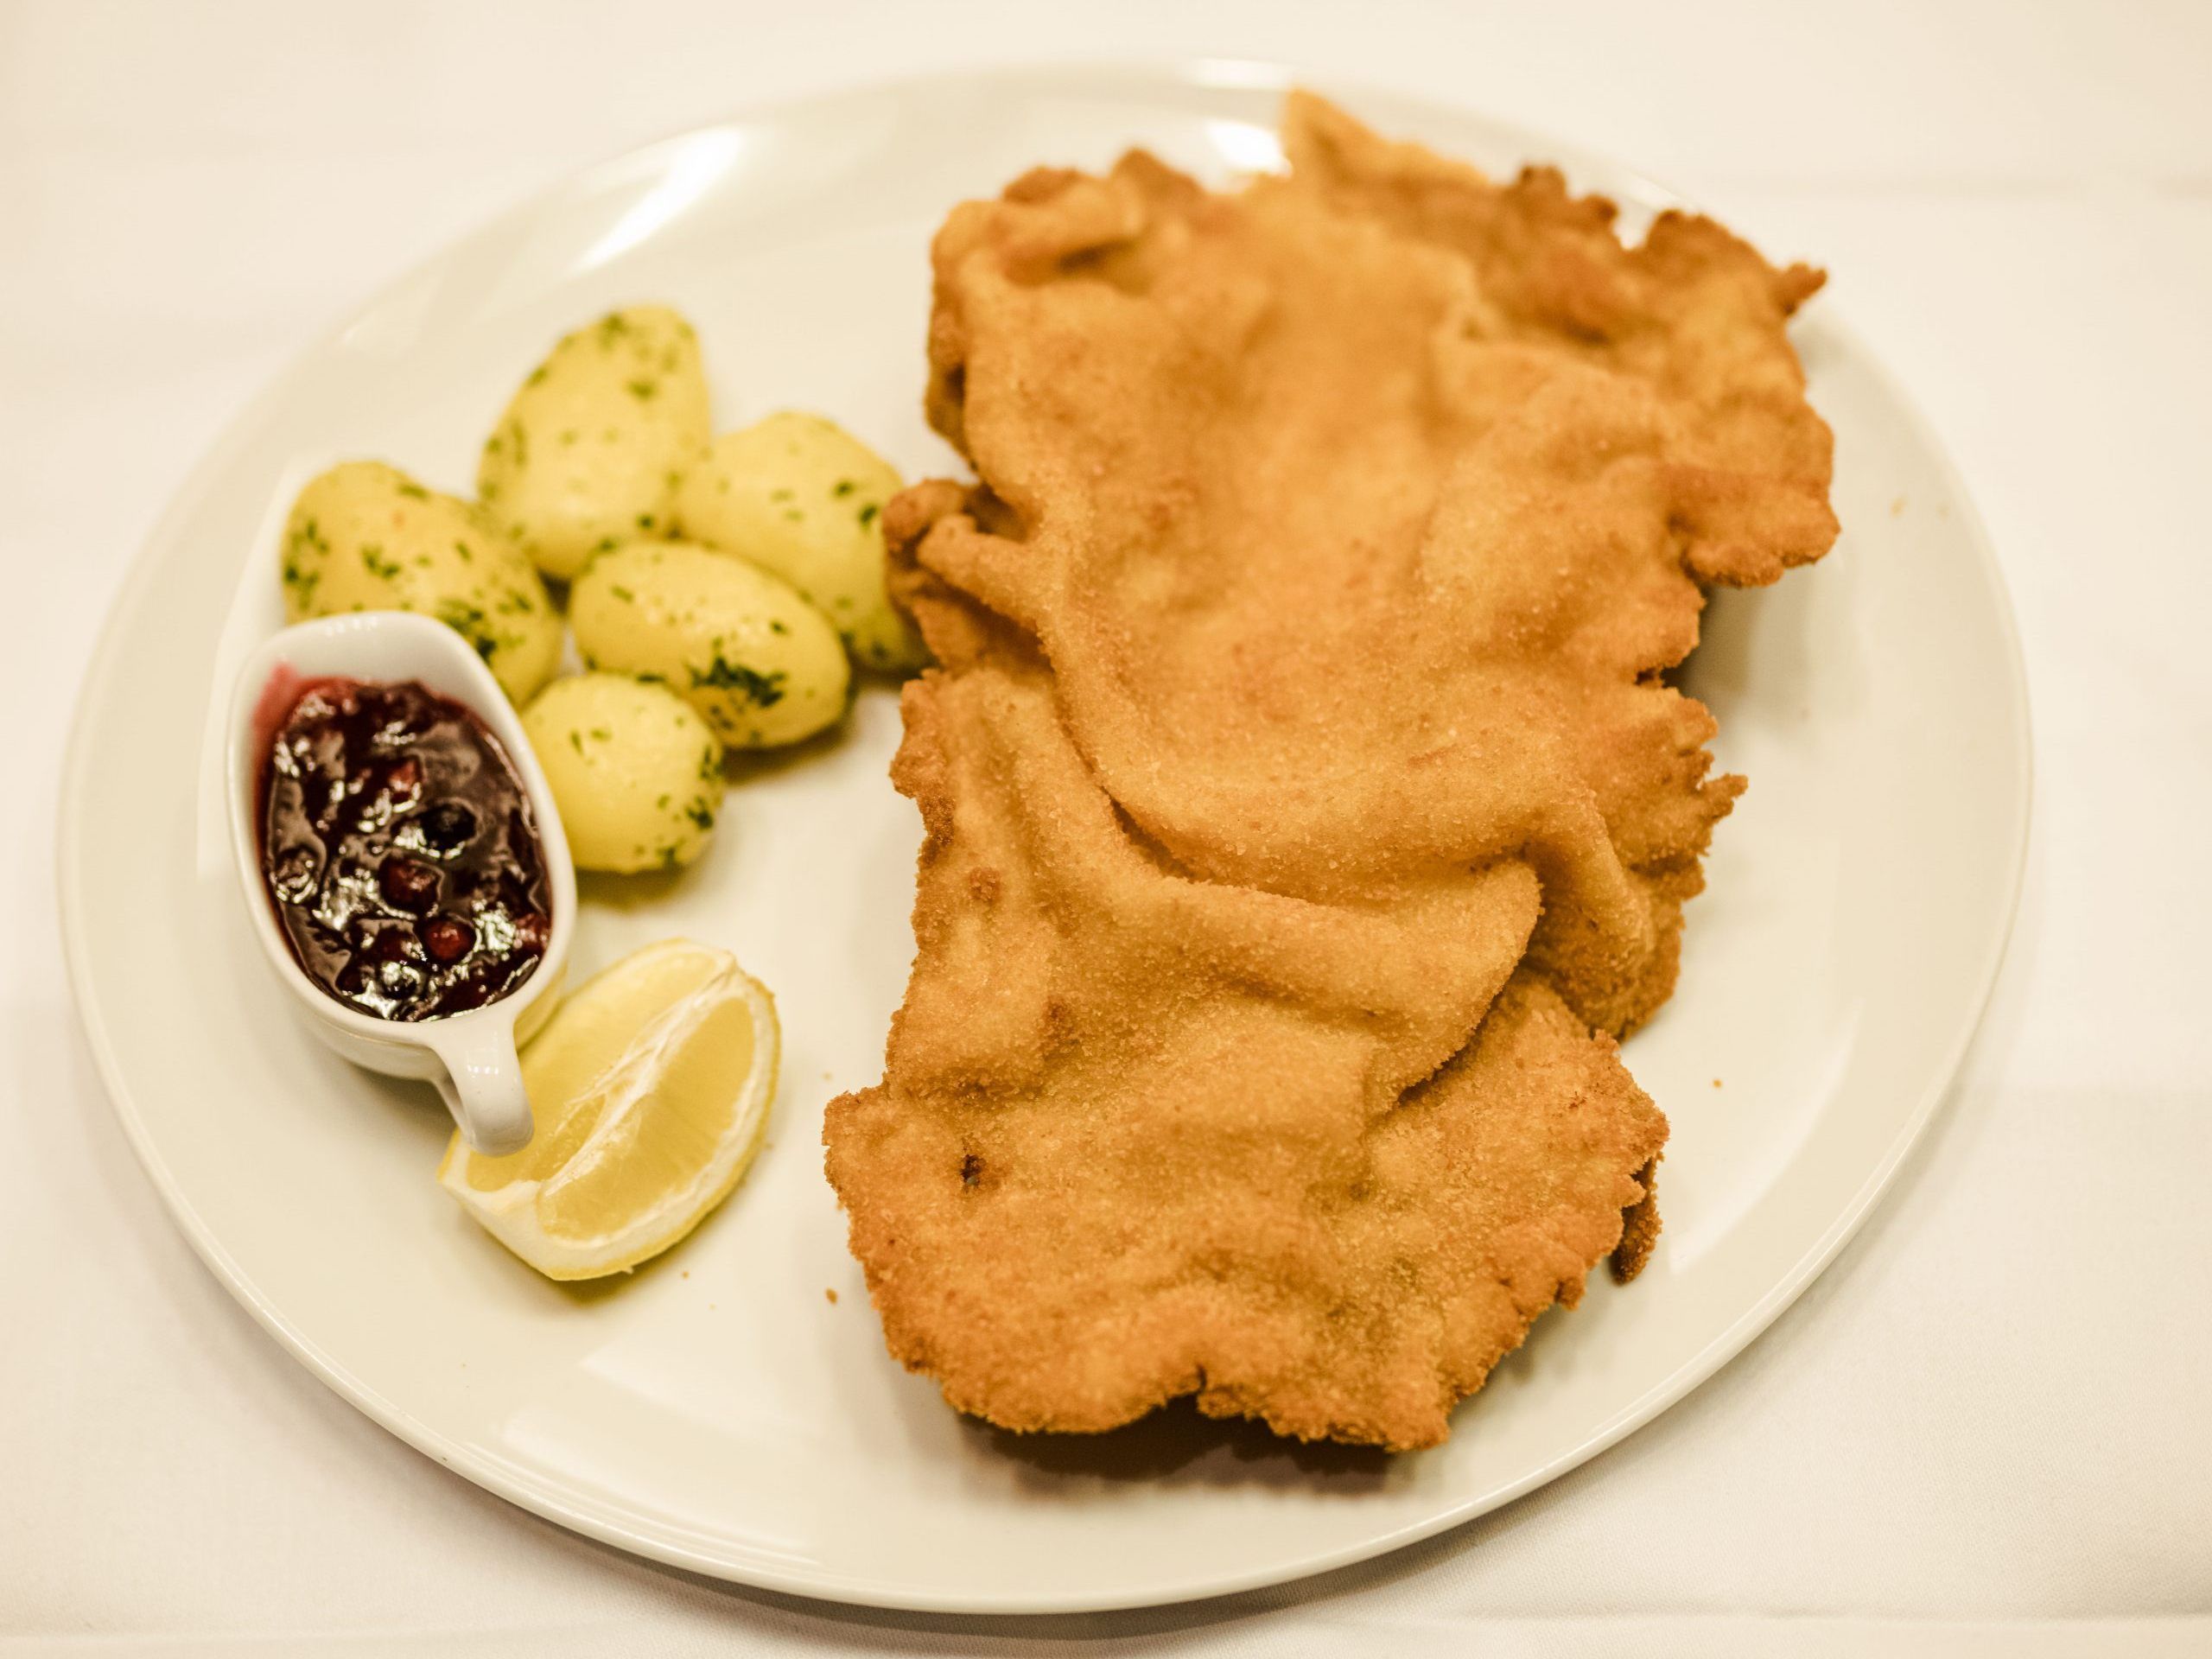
1306, 808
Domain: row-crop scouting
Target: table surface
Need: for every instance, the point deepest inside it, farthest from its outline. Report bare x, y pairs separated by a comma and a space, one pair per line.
1983, 1431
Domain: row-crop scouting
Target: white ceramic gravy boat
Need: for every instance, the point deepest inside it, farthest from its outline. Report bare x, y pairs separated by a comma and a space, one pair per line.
470, 1056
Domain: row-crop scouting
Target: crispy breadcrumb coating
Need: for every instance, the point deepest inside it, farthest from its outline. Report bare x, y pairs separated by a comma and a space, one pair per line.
1307, 810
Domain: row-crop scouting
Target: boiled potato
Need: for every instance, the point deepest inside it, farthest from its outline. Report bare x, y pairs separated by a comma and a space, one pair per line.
637, 774
590, 450
805, 498
365, 536
735, 642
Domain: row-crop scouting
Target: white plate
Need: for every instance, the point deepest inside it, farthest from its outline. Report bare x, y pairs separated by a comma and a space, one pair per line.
718, 1411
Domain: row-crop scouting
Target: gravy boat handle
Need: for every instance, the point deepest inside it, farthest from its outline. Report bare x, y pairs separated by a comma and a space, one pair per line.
482, 1086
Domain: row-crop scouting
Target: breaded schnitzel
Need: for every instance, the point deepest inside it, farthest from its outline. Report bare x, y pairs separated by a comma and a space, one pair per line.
1305, 810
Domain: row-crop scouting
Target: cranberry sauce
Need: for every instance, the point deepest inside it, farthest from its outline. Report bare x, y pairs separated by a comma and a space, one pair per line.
398, 847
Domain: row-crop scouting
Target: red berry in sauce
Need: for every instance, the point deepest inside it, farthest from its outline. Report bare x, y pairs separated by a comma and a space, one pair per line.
408, 885
446, 939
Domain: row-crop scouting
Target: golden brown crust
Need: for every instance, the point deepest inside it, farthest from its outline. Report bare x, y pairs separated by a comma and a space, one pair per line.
1303, 803
1639, 1227
1143, 1136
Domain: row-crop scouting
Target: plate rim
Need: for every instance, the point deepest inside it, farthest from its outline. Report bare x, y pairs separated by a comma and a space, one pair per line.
546, 1498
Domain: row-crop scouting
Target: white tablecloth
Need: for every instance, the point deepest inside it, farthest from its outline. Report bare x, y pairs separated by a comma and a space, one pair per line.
1985, 1431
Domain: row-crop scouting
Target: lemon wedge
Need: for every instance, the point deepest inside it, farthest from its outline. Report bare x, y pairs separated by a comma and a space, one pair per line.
650, 1087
